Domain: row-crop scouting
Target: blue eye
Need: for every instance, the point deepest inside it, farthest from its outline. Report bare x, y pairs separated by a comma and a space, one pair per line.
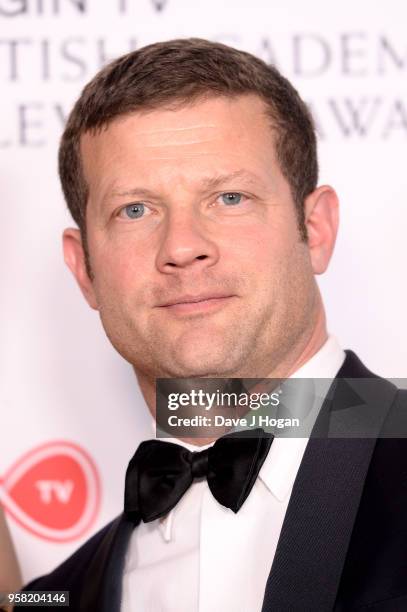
134, 211
231, 198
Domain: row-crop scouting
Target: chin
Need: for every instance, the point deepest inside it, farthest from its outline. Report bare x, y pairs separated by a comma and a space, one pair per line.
200, 365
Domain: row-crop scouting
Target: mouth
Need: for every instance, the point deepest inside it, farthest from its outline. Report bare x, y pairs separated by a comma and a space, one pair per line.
197, 304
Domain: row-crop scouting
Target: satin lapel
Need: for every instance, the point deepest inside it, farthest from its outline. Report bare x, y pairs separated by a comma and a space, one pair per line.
318, 524
103, 581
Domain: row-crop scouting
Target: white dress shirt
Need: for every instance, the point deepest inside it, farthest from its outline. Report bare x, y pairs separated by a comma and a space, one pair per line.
202, 557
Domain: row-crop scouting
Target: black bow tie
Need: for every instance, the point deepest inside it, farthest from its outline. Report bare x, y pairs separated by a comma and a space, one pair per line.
160, 472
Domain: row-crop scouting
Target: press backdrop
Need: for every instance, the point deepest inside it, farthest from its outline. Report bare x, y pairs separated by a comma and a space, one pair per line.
71, 413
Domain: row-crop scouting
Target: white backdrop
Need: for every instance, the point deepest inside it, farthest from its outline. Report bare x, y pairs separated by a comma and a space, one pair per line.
58, 373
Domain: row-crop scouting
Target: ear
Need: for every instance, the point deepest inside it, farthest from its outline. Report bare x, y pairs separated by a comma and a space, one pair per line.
321, 210
74, 257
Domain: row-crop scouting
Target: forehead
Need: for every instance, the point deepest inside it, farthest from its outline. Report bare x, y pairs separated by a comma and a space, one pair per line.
197, 137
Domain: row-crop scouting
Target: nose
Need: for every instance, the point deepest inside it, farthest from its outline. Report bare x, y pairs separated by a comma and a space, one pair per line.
186, 243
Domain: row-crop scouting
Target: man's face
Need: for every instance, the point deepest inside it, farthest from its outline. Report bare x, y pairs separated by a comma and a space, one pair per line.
190, 205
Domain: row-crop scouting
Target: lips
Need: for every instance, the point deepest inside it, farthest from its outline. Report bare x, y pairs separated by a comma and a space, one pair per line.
191, 305
193, 299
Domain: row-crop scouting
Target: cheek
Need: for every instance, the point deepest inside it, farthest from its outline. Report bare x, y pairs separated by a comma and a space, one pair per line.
277, 267
119, 272
262, 249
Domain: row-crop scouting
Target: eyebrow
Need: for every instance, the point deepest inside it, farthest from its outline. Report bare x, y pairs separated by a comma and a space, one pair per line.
206, 183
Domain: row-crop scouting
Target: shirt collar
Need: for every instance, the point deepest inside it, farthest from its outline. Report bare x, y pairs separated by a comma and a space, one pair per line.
280, 468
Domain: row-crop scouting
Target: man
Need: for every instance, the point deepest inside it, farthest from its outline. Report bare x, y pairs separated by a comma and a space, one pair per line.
191, 170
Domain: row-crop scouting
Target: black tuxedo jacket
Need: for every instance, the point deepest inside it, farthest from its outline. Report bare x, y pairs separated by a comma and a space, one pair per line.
343, 544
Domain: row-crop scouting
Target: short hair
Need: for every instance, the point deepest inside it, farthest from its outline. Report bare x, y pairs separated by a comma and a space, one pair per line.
179, 72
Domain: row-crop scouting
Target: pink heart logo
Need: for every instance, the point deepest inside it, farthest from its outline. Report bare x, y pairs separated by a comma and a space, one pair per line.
53, 491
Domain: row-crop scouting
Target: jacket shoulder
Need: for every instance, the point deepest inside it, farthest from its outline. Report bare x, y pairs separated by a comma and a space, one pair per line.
70, 574
375, 566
